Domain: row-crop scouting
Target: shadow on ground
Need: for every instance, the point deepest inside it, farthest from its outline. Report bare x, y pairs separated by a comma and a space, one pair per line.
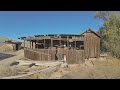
4, 56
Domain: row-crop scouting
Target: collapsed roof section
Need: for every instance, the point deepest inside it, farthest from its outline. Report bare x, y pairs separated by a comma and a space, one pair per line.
49, 36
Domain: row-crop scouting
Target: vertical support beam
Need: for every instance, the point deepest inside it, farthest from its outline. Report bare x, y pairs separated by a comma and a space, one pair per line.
48, 55
67, 41
75, 43
27, 44
35, 44
24, 43
85, 50
51, 43
60, 41
38, 44
64, 42
30, 44
44, 43
99, 47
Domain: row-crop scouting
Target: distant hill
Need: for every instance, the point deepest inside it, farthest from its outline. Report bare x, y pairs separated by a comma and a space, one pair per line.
2, 40
4, 47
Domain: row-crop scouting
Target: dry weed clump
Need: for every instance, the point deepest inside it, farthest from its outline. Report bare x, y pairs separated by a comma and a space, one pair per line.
7, 71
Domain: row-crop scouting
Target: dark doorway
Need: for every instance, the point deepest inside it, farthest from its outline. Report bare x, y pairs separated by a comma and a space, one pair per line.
40, 45
17, 46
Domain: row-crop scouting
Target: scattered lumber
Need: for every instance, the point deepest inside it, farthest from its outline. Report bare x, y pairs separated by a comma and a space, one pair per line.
31, 64
36, 63
46, 70
103, 55
14, 63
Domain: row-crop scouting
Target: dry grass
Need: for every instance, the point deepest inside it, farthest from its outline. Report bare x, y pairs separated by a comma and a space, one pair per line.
105, 68
108, 68
6, 48
7, 71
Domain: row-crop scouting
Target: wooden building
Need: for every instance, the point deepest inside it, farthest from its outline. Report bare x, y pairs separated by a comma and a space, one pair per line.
89, 42
16, 45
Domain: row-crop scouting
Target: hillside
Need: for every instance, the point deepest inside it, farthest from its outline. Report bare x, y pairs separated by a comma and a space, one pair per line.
4, 47
2, 40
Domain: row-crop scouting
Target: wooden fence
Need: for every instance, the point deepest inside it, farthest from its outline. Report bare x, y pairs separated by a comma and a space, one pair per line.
75, 56
72, 56
38, 55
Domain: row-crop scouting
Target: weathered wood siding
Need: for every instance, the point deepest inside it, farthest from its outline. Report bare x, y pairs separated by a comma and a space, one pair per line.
72, 56
75, 56
92, 45
42, 55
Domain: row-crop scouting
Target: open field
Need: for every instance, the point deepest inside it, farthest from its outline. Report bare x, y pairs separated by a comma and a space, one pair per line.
105, 68
95, 69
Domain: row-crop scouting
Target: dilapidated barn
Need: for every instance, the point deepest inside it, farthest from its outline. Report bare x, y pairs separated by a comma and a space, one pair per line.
16, 45
91, 44
72, 48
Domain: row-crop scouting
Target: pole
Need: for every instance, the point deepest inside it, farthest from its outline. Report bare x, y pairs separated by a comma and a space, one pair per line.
75, 44
67, 41
51, 43
24, 43
44, 43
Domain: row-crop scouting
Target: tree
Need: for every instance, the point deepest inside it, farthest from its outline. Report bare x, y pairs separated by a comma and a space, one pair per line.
102, 14
110, 32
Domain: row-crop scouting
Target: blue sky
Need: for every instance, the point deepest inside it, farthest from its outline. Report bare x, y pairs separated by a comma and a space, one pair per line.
14, 24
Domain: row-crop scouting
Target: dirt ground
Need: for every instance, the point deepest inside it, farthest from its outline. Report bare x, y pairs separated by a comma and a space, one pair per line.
102, 68
95, 69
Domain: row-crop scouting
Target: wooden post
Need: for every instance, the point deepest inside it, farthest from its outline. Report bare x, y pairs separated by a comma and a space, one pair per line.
51, 43
24, 43
64, 43
35, 44
67, 41
44, 43
60, 43
75, 44
27, 44
64, 57
48, 55
32, 44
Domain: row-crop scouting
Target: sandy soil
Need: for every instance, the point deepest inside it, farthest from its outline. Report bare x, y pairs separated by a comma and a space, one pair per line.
97, 69
17, 55
102, 68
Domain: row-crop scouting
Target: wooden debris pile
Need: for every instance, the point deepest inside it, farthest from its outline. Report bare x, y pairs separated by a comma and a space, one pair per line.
49, 67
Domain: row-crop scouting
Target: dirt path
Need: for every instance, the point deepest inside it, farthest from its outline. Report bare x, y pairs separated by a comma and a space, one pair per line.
17, 55
93, 69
